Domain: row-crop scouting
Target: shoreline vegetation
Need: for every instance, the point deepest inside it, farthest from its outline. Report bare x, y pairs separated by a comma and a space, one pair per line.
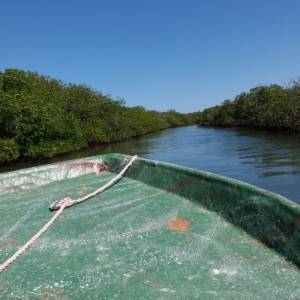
41, 117
266, 107
44, 117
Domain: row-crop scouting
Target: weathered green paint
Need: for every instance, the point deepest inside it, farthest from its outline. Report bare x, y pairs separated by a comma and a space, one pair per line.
240, 242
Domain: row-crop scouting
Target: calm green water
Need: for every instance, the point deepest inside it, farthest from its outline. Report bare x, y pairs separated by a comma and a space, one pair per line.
267, 159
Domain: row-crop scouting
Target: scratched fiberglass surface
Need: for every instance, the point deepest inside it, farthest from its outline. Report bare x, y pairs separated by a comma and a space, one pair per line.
162, 232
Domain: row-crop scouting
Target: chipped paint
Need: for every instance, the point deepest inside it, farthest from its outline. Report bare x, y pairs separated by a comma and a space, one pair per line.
179, 224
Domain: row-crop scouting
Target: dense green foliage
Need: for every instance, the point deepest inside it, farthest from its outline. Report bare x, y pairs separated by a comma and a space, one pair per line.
41, 116
264, 107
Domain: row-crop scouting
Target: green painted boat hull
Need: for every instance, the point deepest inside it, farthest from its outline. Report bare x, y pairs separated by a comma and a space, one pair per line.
162, 232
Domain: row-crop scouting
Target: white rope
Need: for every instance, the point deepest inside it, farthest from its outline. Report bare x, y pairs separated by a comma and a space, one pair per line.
108, 184
31, 241
61, 205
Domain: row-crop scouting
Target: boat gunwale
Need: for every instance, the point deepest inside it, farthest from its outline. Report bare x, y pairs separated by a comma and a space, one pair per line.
188, 170
220, 178
205, 174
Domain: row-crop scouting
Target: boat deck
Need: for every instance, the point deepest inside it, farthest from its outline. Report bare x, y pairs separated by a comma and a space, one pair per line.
133, 241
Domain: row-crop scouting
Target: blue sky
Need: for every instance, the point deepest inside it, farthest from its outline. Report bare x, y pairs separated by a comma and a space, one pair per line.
160, 54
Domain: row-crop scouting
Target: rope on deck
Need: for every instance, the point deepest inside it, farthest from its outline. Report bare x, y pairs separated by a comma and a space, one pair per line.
60, 206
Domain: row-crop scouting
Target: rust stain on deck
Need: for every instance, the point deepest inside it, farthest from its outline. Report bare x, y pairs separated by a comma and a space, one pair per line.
179, 224
8, 242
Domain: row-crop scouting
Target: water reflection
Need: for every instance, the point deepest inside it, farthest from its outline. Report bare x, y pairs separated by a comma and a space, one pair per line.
267, 159
276, 153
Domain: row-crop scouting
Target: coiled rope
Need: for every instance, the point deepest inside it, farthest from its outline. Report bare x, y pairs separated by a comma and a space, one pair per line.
60, 206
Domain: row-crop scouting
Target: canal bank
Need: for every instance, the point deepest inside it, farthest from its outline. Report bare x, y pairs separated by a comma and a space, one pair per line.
270, 160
